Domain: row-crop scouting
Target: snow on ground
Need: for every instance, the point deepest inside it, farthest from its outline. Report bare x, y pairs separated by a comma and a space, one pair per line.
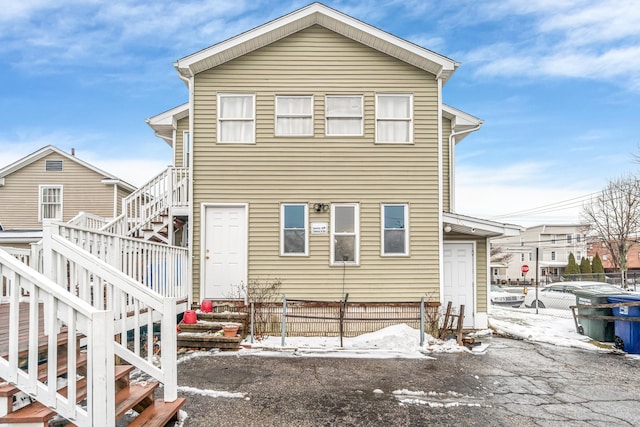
401, 341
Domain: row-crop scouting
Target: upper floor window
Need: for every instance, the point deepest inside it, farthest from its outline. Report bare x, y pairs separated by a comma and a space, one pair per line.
578, 238
395, 239
394, 118
344, 115
293, 236
553, 239
53, 165
294, 115
553, 255
345, 233
50, 202
236, 118
569, 238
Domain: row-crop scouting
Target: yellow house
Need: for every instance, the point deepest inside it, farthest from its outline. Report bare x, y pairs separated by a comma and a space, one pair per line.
322, 155
51, 184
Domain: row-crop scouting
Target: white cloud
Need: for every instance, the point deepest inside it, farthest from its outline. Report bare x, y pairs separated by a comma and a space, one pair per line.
583, 39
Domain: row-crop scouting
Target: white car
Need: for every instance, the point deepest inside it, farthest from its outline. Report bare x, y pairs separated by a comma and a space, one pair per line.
500, 296
562, 294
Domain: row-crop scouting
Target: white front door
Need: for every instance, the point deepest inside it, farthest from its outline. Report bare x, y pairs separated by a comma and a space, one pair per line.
458, 279
224, 252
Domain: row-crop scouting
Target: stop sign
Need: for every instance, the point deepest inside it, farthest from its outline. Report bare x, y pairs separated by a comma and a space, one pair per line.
525, 268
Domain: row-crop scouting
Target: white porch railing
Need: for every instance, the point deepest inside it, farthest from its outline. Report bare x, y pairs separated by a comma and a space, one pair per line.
133, 307
169, 189
88, 220
23, 255
51, 309
119, 225
159, 267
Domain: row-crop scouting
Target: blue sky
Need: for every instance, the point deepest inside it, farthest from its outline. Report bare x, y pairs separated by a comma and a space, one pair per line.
557, 83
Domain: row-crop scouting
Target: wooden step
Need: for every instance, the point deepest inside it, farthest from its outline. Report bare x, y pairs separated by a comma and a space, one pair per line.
36, 412
209, 341
203, 326
9, 389
138, 396
158, 414
227, 316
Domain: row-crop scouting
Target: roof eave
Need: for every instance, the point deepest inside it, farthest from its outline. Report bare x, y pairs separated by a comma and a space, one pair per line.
441, 66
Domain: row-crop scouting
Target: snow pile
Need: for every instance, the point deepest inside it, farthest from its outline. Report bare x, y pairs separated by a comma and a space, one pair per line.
546, 326
397, 341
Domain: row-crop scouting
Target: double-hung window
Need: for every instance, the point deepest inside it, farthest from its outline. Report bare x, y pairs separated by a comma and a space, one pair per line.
294, 234
236, 118
294, 115
394, 118
345, 230
50, 202
344, 115
395, 230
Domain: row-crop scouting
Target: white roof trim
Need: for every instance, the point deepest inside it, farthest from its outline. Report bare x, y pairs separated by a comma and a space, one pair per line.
331, 19
49, 149
461, 122
164, 123
476, 226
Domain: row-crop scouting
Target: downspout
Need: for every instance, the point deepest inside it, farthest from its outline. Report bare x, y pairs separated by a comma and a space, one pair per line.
452, 175
440, 195
190, 83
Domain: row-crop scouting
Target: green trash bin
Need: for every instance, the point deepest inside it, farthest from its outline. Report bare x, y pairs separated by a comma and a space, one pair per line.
598, 329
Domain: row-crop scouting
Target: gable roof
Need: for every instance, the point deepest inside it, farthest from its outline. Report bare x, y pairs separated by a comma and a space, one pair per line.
316, 14
462, 123
50, 149
164, 123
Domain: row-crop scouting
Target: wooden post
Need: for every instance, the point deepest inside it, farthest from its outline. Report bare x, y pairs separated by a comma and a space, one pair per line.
445, 324
460, 323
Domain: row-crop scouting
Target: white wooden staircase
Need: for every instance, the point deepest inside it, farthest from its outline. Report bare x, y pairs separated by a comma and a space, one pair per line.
85, 282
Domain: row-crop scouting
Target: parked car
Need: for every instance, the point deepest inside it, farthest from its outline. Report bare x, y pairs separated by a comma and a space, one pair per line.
500, 296
562, 294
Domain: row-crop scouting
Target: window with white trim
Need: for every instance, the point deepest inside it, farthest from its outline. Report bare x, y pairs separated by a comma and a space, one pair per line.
344, 116
236, 118
294, 234
395, 230
345, 230
553, 255
50, 202
294, 115
394, 118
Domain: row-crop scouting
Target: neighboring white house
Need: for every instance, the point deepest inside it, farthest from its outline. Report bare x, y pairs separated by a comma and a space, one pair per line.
552, 242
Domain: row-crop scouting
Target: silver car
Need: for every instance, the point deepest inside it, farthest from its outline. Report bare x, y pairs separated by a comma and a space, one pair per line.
562, 294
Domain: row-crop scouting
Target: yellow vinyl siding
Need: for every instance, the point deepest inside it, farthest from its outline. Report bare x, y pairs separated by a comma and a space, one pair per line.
446, 169
183, 125
82, 191
316, 169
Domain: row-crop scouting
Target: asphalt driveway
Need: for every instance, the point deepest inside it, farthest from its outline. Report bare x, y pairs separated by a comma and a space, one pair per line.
514, 383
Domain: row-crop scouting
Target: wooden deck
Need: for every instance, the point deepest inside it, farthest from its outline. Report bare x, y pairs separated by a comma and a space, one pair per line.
23, 325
